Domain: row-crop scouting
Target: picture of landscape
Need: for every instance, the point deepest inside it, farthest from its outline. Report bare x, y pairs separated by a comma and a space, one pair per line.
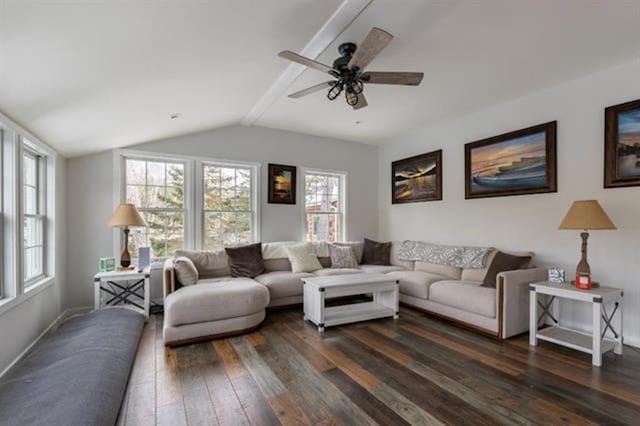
282, 184
622, 145
629, 143
417, 179
512, 164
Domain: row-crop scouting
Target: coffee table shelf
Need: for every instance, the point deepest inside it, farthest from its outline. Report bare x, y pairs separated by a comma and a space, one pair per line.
354, 312
573, 339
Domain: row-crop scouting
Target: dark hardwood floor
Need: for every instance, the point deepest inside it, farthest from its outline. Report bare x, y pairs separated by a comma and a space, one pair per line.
415, 370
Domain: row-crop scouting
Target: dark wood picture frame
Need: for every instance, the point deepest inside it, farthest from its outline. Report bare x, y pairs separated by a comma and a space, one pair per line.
434, 156
550, 185
277, 196
612, 179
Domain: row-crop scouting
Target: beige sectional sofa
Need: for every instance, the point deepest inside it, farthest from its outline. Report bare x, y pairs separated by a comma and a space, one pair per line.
219, 305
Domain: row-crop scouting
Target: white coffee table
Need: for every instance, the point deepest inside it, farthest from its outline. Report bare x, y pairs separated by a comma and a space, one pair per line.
317, 289
595, 343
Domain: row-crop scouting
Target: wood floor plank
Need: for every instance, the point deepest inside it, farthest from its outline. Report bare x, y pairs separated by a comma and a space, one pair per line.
141, 403
198, 406
283, 404
323, 400
228, 407
254, 403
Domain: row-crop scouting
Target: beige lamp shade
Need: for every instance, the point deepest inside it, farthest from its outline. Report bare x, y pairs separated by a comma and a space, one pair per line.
586, 214
126, 215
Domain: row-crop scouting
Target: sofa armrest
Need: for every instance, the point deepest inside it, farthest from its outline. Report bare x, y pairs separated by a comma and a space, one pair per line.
168, 278
513, 299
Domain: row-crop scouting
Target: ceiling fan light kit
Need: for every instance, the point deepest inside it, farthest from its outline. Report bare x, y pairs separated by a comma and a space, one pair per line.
348, 70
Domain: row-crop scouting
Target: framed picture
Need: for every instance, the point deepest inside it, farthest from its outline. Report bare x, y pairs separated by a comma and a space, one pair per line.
417, 179
515, 163
282, 184
622, 145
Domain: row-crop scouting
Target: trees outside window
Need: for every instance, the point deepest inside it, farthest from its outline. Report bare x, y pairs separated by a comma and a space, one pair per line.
324, 195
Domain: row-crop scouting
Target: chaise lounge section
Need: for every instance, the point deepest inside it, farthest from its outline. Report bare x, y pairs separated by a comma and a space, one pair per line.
219, 305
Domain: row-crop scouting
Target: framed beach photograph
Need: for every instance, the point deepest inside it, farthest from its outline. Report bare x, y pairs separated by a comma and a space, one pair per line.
515, 163
282, 184
622, 145
417, 179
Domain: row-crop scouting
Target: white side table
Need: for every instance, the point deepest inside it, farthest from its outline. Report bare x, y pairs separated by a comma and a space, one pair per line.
121, 288
595, 343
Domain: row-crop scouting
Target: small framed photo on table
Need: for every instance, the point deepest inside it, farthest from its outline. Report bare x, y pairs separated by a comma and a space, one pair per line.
556, 275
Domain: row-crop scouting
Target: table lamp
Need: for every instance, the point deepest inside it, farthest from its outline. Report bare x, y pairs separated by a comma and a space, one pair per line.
585, 215
126, 215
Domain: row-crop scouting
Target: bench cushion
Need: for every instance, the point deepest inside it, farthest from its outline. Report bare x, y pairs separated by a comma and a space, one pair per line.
215, 301
77, 374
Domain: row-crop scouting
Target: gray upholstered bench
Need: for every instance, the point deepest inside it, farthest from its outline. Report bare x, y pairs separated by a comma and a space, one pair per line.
77, 375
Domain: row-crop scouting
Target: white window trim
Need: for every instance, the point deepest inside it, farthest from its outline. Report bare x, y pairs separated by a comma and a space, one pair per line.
344, 195
14, 291
255, 196
193, 190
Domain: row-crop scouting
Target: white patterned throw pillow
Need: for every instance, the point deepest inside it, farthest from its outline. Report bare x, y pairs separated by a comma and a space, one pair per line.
303, 258
342, 257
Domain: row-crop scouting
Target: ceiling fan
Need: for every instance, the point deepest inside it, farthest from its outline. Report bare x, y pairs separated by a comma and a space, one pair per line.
348, 70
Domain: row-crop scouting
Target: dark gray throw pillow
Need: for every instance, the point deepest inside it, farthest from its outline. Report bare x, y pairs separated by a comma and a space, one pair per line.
503, 262
376, 253
245, 261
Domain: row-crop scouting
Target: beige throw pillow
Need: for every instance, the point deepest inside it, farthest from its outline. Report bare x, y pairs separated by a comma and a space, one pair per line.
186, 271
342, 257
303, 258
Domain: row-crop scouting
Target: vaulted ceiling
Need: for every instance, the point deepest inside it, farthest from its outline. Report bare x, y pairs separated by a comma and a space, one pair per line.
93, 75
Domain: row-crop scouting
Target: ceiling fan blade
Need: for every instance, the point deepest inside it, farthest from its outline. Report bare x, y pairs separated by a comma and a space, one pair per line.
362, 102
303, 60
312, 89
376, 40
402, 78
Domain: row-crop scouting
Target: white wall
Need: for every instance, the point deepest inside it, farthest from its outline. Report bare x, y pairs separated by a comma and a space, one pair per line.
23, 323
90, 188
530, 222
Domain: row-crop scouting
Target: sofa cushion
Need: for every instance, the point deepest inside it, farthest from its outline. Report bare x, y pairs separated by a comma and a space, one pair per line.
245, 261
271, 265
376, 253
283, 283
416, 283
357, 246
478, 275
453, 272
467, 296
186, 271
395, 261
342, 257
215, 301
208, 263
380, 269
334, 271
303, 258
503, 262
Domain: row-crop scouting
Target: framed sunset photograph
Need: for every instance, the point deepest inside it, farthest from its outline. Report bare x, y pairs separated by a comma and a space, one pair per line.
622, 145
282, 184
515, 163
417, 179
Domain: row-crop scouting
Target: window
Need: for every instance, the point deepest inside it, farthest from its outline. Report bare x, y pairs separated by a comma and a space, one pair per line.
157, 189
324, 206
34, 213
228, 206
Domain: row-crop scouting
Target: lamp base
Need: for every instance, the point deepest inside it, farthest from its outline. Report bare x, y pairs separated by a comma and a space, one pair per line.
594, 284
125, 268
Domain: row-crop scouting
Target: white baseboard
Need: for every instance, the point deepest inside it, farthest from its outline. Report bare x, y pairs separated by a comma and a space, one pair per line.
61, 318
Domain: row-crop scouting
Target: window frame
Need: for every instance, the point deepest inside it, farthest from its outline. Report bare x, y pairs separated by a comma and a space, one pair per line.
342, 195
41, 211
255, 197
120, 195
193, 192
